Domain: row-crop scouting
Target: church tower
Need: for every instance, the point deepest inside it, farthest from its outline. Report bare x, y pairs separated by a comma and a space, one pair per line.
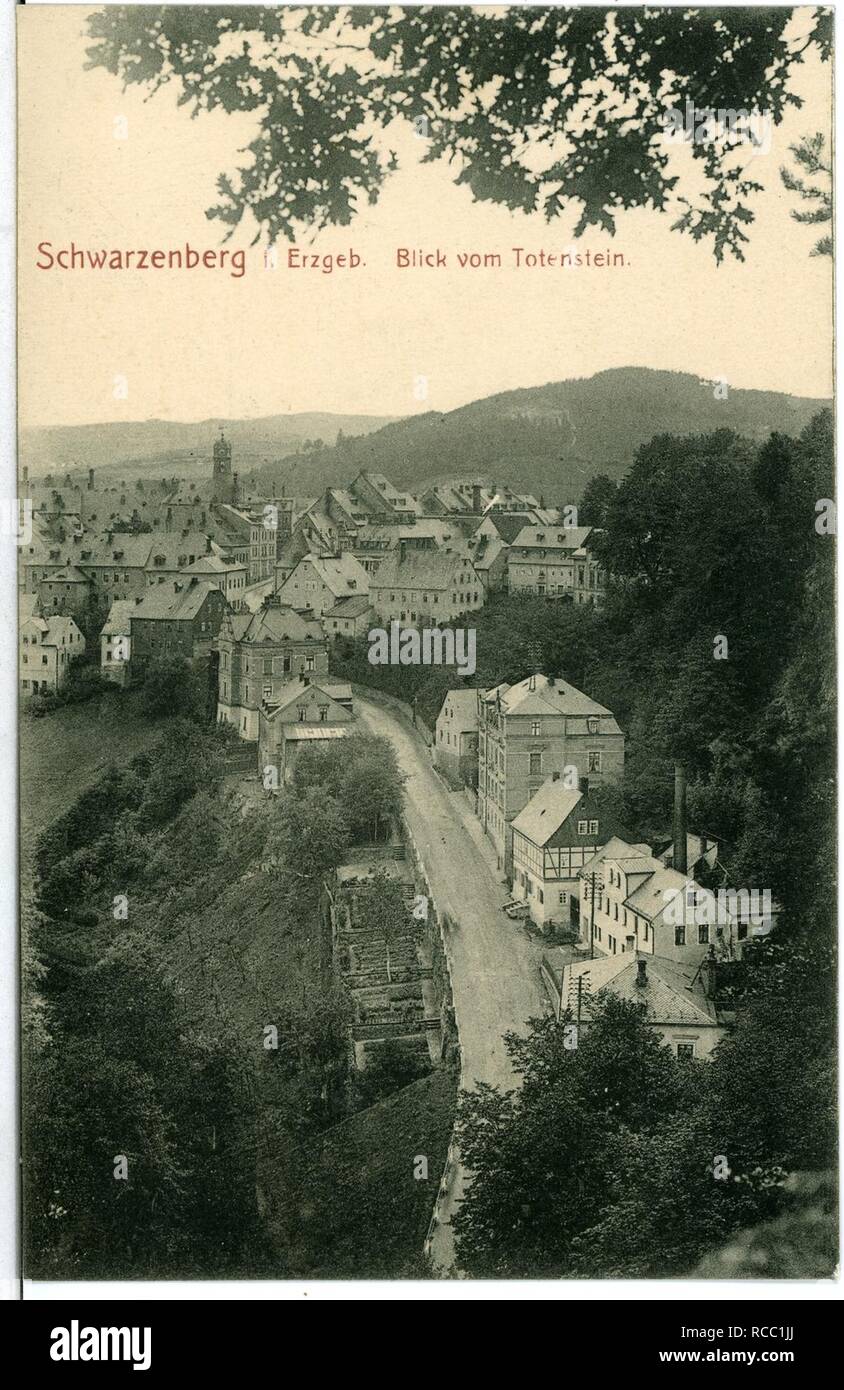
223, 485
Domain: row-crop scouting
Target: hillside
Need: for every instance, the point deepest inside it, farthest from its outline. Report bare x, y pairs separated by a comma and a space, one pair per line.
551, 439
150, 447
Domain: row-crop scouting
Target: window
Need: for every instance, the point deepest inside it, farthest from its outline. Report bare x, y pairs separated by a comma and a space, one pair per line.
680, 935
309, 663
582, 829
685, 1049
564, 897
301, 711
593, 827
703, 935
535, 764
536, 728
594, 760
592, 725
323, 714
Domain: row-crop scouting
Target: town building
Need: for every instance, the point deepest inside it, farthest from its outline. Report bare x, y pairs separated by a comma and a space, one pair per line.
455, 747
46, 648
348, 617
376, 495
425, 587
664, 911
305, 713
65, 590
229, 576
116, 641
258, 654
557, 562
530, 730
676, 998
559, 830
180, 619
320, 581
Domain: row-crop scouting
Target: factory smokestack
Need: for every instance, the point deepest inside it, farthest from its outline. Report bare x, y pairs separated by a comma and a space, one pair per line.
680, 855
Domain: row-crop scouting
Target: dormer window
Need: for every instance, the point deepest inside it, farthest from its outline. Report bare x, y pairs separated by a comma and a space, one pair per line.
593, 725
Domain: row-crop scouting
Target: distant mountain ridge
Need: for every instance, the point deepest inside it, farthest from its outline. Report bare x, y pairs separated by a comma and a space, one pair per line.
551, 439
545, 440
142, 446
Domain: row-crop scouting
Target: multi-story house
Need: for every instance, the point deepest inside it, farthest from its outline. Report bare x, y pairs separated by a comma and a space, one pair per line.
348, 617
642, 905
46, 647
259, 654
228, 575
528, 731
65, 590
306, 712
555, 561
375, 494
320, 581
180, 619
675, 998
425, 586
456, 737
560, 829
116, 641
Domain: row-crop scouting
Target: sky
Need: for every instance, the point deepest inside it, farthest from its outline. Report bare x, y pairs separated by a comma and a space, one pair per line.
377, 339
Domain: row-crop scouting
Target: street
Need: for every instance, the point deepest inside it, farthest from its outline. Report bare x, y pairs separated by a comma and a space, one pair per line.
494, 963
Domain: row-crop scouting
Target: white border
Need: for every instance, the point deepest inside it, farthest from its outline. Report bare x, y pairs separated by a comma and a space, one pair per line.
691, 1291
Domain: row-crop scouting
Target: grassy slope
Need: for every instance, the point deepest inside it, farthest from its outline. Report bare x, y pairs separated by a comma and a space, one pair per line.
353, 1195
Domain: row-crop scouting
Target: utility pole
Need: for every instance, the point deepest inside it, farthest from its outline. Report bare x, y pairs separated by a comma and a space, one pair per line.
593, 882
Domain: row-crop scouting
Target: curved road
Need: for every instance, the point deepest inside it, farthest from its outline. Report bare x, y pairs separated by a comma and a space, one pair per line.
494, 963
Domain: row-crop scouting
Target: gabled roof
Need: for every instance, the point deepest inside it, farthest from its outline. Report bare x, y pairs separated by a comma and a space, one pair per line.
276, 624
213, 564
352, 607
671, 994
552, 537
59, 629
540, 694
119, 620
69, 575
546, 811
171, 602
465, 705
419, 569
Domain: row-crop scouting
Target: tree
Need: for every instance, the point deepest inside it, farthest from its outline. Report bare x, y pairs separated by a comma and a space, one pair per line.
509, 98
598, 496
172, 686
383, 911
811, 156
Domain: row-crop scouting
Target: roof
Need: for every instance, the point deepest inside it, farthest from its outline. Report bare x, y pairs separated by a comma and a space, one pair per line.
552, 537
276, 624
213, 564
546, 811
354, 606
419, 569
59, 628
540, 694
465, 705
310, 731
171, 602
672, 994
340, 573
69, 575
29, 606
119, 618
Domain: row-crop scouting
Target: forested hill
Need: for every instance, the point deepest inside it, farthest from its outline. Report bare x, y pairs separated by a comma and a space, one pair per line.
551, 439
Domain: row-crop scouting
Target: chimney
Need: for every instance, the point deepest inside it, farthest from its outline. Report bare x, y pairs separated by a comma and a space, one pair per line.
641, 974
476, 498
709, 974
584, 785
680, 854
402, 551
555, 776
90, 480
